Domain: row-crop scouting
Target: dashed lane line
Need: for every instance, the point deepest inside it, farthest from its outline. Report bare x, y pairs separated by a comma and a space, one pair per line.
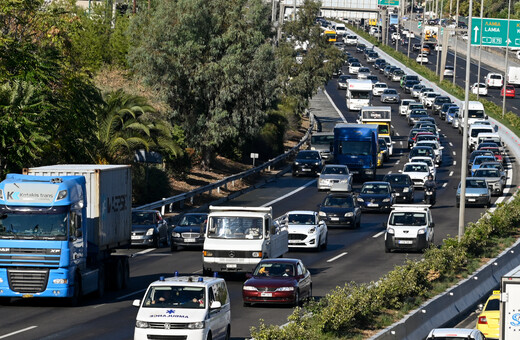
17, 332
145, 251
451, 144
378, 234
289, 194
336, 257
444, 185
451, 173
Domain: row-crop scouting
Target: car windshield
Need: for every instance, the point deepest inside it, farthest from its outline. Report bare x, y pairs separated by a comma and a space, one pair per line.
338, 201
491, 166
476, 183
334, 170
274, 269
360, 94
431, 145
390, 91
426, 160
308, 155
443, 100
46, 224
415, 168
234, 227
195, 220
493, 304
142, 218
376, 189
301, 219
486, 173
322, 139
479, 160
420, 152
408, 218
380, 85
175, 297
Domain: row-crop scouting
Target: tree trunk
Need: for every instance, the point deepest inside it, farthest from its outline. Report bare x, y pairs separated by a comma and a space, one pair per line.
208, 156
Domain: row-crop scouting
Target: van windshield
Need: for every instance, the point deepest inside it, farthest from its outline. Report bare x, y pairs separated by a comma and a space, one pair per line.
359, 94
231, 227
322, 140
475, 132
476, 114
408, 218
175, 297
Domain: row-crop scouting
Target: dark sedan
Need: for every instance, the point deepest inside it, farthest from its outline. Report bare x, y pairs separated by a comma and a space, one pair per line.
340, 209
438, 102
402, 186
376, 196
189, 231
307, 162
149, 228
284, 281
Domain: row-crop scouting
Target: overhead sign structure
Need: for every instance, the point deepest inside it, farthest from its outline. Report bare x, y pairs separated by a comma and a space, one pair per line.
388, 2
493, 32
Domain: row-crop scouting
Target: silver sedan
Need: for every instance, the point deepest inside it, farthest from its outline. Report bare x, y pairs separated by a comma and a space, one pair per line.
335, 174
390, 96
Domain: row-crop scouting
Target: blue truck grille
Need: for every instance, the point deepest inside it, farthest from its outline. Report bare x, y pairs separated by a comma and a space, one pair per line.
28, 280
30, 257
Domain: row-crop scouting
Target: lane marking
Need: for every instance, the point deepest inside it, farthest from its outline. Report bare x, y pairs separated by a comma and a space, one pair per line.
454, 153
451, 144
398, 161
335, 107
451, 173
378, 234
336, 257
101, 305
401, 142
454, 162
514, 107
16, 332
145, 251
397, 134
289, 194
158, 254
134, 293
389, 172
444, 185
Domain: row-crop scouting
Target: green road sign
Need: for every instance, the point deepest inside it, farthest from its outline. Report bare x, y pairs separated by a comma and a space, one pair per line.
493, 32
388, 2
442, 30
419, 24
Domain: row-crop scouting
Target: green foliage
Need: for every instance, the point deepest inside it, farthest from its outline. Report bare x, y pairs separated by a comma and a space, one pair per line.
149, 184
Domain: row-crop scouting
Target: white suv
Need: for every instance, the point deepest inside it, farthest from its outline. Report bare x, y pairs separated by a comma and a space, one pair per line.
494, 80
409, 227
187, 307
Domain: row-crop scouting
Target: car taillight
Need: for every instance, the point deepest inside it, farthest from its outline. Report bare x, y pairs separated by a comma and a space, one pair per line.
482, 320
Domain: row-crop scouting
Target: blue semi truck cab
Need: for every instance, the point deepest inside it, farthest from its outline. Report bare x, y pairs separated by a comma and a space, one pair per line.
356, 146
54, 228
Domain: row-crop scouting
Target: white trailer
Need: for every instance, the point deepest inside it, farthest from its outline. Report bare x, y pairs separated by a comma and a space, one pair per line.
237, 238
513, 75
359, 93
510, 305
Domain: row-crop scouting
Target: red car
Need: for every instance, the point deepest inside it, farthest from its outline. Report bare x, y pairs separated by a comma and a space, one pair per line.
284, 281
496, 153
510, 91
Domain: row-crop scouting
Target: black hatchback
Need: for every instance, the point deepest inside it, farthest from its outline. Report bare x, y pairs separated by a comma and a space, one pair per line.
402, 186
307, 162
340, 209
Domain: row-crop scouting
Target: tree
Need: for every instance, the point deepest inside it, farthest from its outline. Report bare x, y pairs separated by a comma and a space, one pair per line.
213, 62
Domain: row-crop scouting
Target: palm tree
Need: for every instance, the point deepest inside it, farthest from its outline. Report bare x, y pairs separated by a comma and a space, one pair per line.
127, 124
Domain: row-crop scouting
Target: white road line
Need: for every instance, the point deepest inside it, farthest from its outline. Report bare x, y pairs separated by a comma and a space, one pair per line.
101, 305
401, 142
145, 251
335, 107
509, 181
134, 293
378, 234
159, 254
451, 173
454, 162
198, 271
514, 107
289, 194
336, 257
389, 172
451, 144
398, 161
397, 134
444, 185
454, 153
17, 332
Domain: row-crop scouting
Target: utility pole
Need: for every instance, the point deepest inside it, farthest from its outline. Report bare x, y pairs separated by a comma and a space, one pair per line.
480, 47
439, 29
410, 31
507, 55
456, 43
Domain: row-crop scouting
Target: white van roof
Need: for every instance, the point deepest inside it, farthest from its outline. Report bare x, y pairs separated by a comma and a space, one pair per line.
410, 207
473, 104
195, 280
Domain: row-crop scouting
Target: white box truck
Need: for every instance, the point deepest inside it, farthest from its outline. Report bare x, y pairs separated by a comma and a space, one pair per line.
237, 238
510, 305
513, 75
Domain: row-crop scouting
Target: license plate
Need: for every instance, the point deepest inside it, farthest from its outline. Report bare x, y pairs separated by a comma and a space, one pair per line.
264, 294
405, 242
189, 240
334, 218
135, 237
397, 194
373, 205
293, 241
231, 265
354, 172
471, 200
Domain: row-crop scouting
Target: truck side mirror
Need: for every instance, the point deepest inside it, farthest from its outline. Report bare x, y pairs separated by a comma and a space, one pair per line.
215, 305
432, 224
136, 303
272, 229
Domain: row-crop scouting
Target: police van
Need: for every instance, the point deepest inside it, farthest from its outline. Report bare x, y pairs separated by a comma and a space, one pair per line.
184, 307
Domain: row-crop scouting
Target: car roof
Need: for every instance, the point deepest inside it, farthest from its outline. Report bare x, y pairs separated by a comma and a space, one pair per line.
455, 332
280, 260
410, 207
335, 166
416, 163
192, 280
302, 212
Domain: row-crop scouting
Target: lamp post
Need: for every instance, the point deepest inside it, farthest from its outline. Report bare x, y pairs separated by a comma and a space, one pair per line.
480, 48
507, 55
456, 42
410, 31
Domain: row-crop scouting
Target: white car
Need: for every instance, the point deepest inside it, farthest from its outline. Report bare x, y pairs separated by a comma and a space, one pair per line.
438, 47
429, 98
494, 80
480, 89
431, 166
351, 40
449, 71
306, 230
455, 333
418, 172
404, 106
422, 58
378, 89
354, 68
395, 36
423, 93
363, 73
416, 90
437, 148
389, 144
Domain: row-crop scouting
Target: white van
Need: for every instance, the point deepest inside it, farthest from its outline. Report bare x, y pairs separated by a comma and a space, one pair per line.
359, 93
409, 226
476, 112
340, 29
494, 80
474, 132
184, 307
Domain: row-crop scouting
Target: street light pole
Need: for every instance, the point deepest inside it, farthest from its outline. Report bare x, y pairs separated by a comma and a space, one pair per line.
439, 28
507, 55
464, 167
456, 44
480, 47
410, 31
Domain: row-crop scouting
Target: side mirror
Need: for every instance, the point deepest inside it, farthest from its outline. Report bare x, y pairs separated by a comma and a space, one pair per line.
400, 171
215, 305
432, 224
479, 308
441, 148
436, 165
136, 303
249, 275
319, 174
78, 233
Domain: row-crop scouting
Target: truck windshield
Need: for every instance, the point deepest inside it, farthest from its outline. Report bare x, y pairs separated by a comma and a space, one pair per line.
360, 94
43, 223
476, 114
245, 228
356, 148
175, 297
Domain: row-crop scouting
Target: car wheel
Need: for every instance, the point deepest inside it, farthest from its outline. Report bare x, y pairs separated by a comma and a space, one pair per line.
156, 242
297, 298
247, 304
324, 245
387, 250
358, 224
228, 333
309, 295
73, 301
173, 246
318, 246
209, 337
5, 301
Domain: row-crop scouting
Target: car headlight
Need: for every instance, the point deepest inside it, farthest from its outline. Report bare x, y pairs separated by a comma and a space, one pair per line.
349, 214
207, 253
196, 325
316, 163
256, 254
60, 281
176, 235
390, 230
421, 231
322, 214
369, 172
250, 288
359, 199
386, 200
150, 231
141, 324
285, 289
344, 181
406, 189
484, 195
296, 163
312, 230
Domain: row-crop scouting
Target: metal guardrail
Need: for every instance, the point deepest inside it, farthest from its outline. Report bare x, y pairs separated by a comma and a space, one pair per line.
190, 195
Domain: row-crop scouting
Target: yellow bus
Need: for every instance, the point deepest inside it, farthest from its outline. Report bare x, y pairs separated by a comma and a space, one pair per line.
372, 22
331, 35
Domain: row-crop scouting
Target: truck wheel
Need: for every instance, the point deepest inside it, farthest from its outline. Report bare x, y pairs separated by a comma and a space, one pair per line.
101, 282
5, 301
387, 250
126, 272
118, 275
73, 301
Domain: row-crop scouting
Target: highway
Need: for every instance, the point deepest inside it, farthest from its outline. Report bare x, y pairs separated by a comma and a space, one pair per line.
352, 255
